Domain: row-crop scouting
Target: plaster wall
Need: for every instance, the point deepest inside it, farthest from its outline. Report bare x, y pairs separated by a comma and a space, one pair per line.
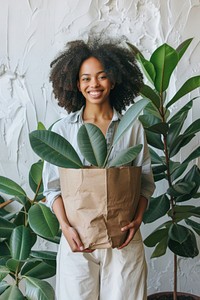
33, 31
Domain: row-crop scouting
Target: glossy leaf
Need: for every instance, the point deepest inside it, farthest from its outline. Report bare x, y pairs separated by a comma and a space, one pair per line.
160, 128
155, 237
160, 248
38, 289
35, 179
6, 228
151, 109
10, 187
20, 243
164, 59
158, 207
178, 233
187, 249
12, 293
4, 271
147, 67
148, 120
4, 249
38, 269
42, 221
181, 188
55, 149
193, 155
3, 286
178, 171
195, 226
193, 128
190, 85
14, 265
181, 141
44, 255
154, 140
135, 50
92, 144
128, 118
182, 113
155, 158
183, 47
126, 156
147, 92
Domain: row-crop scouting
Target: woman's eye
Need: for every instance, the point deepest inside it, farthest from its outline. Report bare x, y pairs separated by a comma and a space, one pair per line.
85, 79
102, 77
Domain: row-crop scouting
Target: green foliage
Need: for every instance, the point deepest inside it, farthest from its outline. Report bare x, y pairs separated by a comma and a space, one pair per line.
165, 133
55, 149
18, 234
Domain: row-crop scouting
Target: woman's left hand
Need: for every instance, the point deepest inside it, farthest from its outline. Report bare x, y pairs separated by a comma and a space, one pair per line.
132, 227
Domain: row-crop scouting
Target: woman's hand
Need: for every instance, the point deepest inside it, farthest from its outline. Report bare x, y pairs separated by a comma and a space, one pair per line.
132, 227
73, 239
135, 224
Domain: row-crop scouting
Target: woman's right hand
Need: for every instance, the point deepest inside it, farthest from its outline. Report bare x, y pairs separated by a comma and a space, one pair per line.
73, 239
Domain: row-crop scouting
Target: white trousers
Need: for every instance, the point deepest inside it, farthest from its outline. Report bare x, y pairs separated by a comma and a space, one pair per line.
105, 274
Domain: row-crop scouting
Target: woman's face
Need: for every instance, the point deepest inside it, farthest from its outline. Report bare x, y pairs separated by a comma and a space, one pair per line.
93, 82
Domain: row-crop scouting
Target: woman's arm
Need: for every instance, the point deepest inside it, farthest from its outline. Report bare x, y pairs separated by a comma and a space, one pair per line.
135, 224
68, 231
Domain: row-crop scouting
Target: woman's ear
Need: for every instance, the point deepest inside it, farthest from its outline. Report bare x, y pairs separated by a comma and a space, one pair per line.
78, 85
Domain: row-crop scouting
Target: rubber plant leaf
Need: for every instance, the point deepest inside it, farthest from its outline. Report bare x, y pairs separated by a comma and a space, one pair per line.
55, 149
92, 144
165, 60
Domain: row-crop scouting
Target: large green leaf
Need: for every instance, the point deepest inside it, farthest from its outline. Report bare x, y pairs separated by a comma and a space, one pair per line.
154, 140
194, 154
92, 144
35, 179
183, 47
195, 226
42, 221
160, 128
148, 120
14, 265
160, 248
187, 249
6, 228
155, 158
3, 286
158, 207
49, 255
4, 271
181, 141
128, 118
178, 171
55, 149
193, 128
181, 188
10, 187
4, 249
37, 289
147, 92
155, 237
190, 85
182, 113
12, 293
20, 243
126, 156
147, 67
178, 233
38, 269
164, 59
151, 109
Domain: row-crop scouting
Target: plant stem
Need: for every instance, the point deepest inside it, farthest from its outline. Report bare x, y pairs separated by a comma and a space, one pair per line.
175, 278
4, 204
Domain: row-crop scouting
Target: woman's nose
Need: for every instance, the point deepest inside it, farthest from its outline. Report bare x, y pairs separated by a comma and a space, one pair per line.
94, 82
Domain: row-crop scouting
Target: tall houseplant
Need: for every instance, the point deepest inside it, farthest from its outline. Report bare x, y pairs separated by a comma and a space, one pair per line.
22, 266
166, 136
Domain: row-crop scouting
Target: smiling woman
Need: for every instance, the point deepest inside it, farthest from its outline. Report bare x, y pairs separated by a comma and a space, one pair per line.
95, 82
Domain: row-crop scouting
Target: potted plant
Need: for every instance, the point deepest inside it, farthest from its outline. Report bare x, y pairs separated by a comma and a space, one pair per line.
166, 137
55, 149
23, 267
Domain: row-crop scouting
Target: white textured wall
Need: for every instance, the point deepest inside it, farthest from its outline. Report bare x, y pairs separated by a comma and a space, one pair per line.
33, 31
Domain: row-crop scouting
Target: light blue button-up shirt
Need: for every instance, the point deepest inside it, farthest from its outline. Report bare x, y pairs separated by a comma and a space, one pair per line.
68, 128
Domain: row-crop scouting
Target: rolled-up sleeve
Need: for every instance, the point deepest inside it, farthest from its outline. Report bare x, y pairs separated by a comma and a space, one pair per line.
51, 183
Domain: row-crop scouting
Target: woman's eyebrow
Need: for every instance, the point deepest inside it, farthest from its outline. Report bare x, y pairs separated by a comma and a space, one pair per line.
86, 74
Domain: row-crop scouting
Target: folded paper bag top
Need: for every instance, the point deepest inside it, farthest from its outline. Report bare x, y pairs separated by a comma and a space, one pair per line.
99, 202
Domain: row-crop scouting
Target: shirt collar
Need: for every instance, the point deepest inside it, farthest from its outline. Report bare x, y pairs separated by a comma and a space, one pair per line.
76, 117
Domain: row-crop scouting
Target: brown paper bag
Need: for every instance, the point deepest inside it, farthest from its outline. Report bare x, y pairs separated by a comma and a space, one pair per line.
98, 202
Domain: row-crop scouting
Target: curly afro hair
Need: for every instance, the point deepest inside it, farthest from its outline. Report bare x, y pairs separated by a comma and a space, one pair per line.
119, 63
